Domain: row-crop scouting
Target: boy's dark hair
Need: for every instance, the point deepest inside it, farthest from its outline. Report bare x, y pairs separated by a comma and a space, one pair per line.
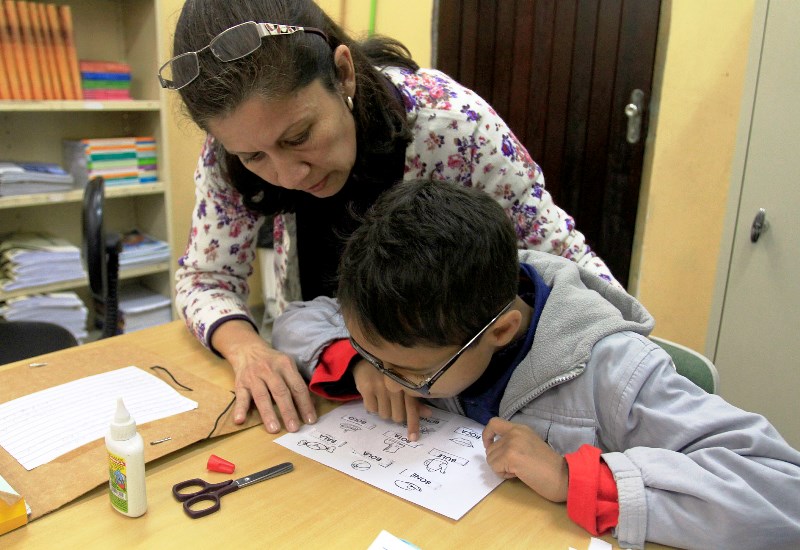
282, 66
431, 264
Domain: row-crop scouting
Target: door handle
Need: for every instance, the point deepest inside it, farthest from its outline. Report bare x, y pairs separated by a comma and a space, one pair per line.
760, 225
634, 111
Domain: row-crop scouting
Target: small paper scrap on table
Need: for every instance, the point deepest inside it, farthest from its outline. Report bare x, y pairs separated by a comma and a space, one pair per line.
445, 471
47, 424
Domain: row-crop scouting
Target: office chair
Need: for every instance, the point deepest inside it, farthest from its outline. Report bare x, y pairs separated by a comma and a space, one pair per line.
691, 364
100, 252
24, 339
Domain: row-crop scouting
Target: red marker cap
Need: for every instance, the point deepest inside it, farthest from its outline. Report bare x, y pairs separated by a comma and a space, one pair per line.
217, 464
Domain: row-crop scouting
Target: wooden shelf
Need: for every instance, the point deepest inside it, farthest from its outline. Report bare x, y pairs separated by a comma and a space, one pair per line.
124, 273
79, 105
76, 195
35, 130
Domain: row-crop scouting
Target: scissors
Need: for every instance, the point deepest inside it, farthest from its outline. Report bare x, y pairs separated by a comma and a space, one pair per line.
212, 492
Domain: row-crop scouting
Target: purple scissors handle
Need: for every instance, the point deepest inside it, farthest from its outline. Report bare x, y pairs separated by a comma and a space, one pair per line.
208, 492
213, 492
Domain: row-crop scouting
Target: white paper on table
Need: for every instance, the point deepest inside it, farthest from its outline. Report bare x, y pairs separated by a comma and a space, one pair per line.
599, 544
387, 541
445, 471
42, 426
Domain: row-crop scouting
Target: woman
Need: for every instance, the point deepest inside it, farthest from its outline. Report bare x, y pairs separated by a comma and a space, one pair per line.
306, 124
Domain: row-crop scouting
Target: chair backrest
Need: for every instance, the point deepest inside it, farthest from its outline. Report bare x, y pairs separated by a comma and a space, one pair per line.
693, 365
24, 339
100, 252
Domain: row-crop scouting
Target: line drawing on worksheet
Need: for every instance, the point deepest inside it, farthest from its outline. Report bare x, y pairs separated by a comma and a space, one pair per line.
445, 470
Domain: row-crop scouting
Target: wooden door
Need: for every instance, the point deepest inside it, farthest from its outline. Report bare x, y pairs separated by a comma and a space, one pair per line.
757, 348
560, 72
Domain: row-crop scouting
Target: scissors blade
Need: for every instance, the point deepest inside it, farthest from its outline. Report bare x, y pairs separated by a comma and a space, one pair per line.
274, 471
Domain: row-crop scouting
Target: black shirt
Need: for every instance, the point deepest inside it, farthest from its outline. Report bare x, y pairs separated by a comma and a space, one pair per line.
323, 225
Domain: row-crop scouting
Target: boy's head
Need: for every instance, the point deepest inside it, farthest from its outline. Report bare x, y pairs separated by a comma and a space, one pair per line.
433, 265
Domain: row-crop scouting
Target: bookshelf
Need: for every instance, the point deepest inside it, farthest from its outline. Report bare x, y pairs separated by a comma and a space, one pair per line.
115, 30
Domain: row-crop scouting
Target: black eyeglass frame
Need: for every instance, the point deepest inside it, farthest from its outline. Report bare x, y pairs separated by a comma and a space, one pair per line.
263, 29
424, 387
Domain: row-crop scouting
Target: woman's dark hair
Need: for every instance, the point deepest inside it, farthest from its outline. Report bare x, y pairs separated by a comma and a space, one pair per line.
282, 66
432, 263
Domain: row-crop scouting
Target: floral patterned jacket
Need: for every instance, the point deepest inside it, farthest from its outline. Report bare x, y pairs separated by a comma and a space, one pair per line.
457, 136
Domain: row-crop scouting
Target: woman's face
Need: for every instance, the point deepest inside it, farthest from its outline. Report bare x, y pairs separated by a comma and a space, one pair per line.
306, 142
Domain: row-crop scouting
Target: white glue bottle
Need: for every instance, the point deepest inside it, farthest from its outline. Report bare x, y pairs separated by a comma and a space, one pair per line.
126, 485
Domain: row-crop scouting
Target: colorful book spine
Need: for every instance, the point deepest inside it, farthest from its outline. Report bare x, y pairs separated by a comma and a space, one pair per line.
105, 80
67, 29
120, 161
146, 154
5, 86
50, 52
60, 48
15, 32
9, 62
41, 50
29, 50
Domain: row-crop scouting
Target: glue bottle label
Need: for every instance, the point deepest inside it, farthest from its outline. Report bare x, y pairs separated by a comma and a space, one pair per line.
118, 482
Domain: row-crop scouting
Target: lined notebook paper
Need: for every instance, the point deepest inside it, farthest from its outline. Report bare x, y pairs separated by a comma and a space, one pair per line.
42, 426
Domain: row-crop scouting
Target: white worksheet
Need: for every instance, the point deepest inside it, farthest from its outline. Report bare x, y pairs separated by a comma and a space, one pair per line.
445, 471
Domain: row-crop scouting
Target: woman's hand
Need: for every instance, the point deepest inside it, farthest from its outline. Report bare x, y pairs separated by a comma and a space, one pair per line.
515, 450
389, 401
265, 376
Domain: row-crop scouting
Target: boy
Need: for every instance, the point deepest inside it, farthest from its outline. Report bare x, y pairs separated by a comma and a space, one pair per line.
578, 403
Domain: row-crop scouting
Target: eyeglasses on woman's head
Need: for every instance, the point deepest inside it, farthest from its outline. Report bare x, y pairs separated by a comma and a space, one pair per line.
231, 44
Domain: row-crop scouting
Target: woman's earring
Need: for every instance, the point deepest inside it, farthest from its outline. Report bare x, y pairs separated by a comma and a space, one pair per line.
349, 101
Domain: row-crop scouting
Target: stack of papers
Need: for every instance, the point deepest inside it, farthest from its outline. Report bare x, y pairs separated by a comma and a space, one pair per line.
60, 308
24, 178
32, 259
141, 249
140, 307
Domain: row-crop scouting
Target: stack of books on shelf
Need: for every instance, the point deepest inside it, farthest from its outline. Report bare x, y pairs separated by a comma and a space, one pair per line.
140, 249
61, 308
31, 259
140, 307
120, 161
105, 80
38, 59
24, 178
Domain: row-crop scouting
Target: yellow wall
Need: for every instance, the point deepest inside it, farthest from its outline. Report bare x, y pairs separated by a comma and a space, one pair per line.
184, 141
699, 75
701, 62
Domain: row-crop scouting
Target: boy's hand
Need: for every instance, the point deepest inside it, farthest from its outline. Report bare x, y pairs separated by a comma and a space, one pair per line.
388, 402
514, 450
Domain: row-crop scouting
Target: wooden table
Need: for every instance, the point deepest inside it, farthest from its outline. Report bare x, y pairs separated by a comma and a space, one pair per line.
312, 507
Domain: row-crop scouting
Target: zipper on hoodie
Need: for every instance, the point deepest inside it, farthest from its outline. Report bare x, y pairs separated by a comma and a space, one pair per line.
552, 383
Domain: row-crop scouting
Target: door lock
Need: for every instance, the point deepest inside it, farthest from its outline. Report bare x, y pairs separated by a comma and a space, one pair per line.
760, 225
634, 111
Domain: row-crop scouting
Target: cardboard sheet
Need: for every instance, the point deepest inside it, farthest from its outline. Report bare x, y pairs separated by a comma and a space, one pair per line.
56, 483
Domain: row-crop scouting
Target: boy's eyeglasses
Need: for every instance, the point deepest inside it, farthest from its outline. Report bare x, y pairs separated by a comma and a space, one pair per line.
231, 44
424, 387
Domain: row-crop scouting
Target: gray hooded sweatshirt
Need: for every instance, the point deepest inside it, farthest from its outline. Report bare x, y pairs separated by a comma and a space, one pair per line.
692, 470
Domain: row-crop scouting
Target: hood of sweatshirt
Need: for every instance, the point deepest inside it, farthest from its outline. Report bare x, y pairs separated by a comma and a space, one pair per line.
581, 310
